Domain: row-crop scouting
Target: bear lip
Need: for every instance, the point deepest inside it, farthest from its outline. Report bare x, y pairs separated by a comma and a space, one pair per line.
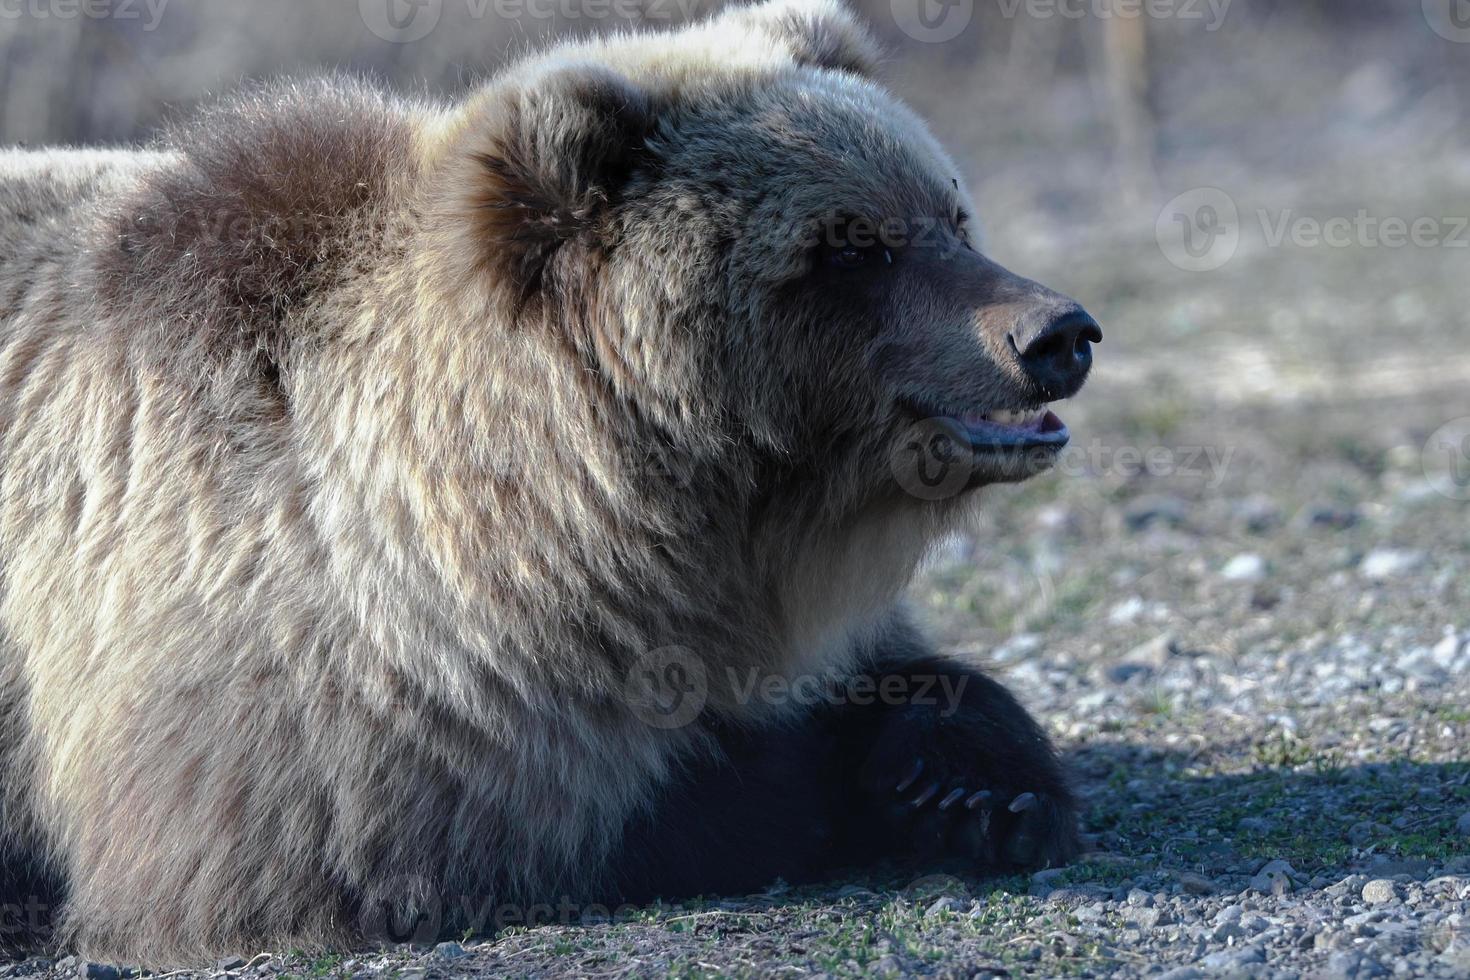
1042, 428
1007, 430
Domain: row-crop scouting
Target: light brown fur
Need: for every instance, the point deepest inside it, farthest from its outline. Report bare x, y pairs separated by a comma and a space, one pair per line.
355, 450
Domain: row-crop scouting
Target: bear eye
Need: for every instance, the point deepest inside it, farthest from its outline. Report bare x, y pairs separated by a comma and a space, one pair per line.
856, 257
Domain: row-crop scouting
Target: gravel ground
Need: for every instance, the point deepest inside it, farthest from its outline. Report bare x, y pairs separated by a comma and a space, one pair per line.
1241, 607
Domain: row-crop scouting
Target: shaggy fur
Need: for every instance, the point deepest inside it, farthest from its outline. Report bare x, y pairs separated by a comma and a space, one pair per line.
357, 451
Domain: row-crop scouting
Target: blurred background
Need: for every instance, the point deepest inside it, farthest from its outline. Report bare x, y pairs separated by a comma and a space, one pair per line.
1257, 551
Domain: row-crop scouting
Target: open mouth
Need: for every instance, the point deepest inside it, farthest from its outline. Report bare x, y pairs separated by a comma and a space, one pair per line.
1015, 430
947, 453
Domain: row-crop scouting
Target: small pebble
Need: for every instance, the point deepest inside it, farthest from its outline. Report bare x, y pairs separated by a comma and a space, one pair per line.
942, 905
1244, 568
450, 951
1194, 884
1380, 891
1183, 973
1362, 833
1126, 673
1149, 510
1260, 514
1146, 918
1276, 878
1335, 518
1385, 564
1256, 825
1350, 964
1234, 959
1447, 651
1049, 877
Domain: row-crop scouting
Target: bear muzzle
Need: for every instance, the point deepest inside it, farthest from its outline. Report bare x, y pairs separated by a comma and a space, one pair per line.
1054, 348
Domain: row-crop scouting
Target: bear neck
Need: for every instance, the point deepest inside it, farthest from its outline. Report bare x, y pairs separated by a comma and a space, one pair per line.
521, 512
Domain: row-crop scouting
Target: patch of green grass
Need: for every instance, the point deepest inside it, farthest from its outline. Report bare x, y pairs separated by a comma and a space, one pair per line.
1282, 752
325, 965
1305, 848
1157, 703
1105, 874
1453, 715
1439, 843
848, 942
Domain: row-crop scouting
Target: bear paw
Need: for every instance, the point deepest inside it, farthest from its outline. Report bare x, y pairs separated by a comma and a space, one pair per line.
947, 789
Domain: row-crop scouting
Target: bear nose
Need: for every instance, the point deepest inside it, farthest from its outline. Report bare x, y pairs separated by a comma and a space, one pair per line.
1055, 348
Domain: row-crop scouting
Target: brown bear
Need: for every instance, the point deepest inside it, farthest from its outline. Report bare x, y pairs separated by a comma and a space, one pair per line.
412, 509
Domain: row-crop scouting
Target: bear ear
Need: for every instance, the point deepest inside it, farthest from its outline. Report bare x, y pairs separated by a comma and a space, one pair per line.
817, 33
545, 155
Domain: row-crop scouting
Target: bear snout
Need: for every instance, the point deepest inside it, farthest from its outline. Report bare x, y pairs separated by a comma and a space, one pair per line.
1054, 347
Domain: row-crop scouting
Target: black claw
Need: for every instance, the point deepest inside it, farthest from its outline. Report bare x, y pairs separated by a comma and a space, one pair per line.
952, 798
1023, 802
929, 793
979, 799
912, 777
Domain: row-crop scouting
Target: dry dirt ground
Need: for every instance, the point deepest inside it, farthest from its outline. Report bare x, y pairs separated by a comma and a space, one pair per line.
1240, 605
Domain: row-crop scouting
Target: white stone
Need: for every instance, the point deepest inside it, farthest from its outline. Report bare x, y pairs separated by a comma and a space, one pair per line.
1447, 650
1018, 646
1126, 611
1386, 563
1380, 891
1244, 568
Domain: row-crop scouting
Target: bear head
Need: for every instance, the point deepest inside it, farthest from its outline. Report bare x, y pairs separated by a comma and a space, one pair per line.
766, 254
